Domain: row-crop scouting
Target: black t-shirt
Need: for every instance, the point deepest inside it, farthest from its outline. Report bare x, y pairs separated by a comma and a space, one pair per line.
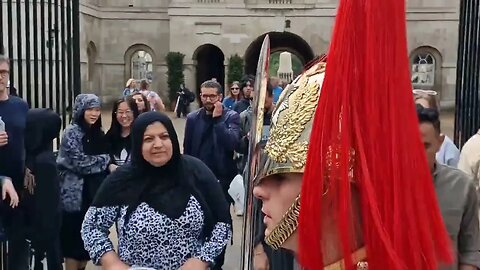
120, 150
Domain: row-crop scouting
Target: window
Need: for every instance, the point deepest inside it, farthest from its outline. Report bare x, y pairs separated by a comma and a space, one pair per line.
139, 62
141, 65
92, 58
423, 70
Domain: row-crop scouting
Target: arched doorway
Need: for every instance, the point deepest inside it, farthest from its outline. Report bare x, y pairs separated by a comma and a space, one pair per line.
209, 65
279, 42
139, 63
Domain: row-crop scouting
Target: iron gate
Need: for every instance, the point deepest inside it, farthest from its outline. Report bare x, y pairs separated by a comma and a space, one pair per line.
467, 109
41, 38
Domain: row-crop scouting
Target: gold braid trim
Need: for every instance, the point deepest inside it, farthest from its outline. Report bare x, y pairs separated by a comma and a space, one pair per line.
287, 226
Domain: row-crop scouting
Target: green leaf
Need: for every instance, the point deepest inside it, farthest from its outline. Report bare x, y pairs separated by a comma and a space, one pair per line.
235, 68
175, 73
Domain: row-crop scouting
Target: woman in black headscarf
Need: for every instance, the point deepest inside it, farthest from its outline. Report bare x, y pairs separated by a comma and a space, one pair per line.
170, 209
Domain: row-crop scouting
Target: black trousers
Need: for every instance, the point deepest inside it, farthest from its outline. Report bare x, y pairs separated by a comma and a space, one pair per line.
182, 109
52, 254
18, 248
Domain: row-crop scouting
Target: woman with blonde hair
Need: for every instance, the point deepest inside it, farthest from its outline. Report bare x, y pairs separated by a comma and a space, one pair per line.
448, 153
130, 87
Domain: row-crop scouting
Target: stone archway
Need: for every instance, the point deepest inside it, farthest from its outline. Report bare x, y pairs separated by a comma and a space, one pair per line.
279, 41
209, 64
130, 66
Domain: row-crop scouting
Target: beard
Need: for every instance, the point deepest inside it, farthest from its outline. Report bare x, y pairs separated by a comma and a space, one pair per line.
209, 107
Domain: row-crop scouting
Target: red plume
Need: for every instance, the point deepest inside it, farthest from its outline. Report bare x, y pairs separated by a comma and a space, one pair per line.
366, 105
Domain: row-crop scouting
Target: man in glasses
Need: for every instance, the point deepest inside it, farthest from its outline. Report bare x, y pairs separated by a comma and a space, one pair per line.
211, 135
13, 111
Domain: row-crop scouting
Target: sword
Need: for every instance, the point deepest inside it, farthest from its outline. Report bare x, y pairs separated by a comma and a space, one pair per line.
260, 90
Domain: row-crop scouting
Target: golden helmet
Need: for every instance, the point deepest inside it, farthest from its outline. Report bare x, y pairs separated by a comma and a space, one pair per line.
291, 125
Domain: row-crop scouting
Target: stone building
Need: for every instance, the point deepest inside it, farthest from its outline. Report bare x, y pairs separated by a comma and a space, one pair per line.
120, 39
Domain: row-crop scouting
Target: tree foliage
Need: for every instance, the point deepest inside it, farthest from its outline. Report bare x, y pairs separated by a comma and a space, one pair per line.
175, 73
235, 68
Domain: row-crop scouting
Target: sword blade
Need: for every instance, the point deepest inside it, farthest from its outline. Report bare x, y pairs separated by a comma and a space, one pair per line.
260, 90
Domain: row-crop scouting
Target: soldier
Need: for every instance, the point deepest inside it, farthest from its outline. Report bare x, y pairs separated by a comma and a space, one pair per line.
279, 185
343, 178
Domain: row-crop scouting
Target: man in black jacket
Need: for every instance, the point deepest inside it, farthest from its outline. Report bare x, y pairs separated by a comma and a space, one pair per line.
211, 134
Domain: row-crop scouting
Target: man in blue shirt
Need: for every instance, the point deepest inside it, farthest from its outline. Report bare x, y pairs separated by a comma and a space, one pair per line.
13, 111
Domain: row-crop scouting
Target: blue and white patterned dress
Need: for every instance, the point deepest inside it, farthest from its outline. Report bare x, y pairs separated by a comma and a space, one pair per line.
151, 239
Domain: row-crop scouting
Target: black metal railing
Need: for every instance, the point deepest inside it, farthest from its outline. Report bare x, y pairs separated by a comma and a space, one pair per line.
41, 38
467, 110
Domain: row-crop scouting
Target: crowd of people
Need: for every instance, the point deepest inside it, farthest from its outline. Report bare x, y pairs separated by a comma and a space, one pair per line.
169, 208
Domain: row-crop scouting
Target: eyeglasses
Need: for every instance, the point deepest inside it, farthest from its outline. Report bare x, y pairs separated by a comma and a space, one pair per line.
4, 73
235, 88
211, 97
124, 113
424, 92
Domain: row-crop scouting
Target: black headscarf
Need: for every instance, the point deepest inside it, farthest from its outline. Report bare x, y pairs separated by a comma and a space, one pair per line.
167, 189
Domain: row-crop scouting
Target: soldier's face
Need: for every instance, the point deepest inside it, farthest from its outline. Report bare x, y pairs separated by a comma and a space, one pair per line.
278, 192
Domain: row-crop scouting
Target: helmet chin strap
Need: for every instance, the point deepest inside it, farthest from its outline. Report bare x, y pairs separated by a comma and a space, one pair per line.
287, 226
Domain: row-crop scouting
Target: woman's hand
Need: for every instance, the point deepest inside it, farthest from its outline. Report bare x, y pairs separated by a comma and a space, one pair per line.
194, 264
9, 189
29, 181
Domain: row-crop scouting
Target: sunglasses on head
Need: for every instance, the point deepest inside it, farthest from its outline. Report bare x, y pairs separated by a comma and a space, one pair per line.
424, 92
